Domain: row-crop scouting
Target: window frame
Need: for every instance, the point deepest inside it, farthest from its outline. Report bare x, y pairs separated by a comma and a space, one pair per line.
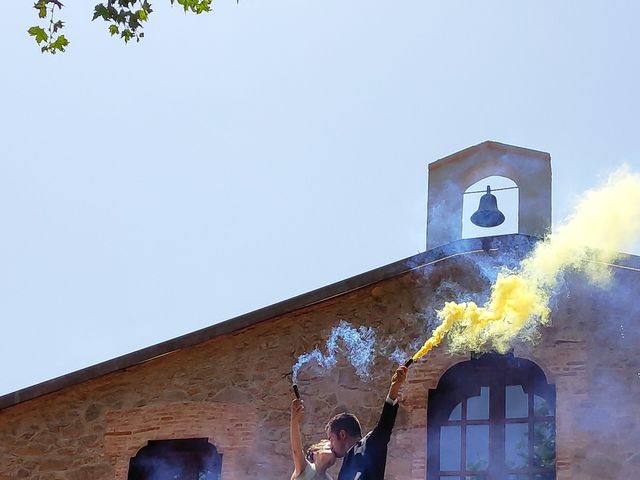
463, 381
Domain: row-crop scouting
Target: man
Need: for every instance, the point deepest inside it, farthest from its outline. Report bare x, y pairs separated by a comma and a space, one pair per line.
365, 458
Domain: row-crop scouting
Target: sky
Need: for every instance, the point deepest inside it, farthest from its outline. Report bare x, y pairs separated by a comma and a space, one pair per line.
239, 158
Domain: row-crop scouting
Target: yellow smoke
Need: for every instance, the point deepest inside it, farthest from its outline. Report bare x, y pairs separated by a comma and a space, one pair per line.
606, 220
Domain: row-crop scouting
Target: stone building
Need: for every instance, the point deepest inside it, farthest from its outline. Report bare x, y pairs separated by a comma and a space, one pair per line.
214, 404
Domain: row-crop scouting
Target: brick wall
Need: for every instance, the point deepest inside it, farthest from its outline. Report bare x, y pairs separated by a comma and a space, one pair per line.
229, 427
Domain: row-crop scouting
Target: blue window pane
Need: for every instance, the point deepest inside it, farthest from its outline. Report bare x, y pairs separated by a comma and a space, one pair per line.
477, 447
546, 476
517, 402
518, 477
541, 407
448, 477
475, 477
450, 448
516, 445
544, 444
456, 414
478, 407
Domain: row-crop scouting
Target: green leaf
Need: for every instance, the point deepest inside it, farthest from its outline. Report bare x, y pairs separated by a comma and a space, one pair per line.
41, 6
121, 17
142, 15
205, 6
59, 44
196, 6
100, 10
39, 34
126, 34
113, 30
134, 24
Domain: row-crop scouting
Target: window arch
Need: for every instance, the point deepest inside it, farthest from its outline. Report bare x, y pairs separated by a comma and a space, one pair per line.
184, 459
492, 418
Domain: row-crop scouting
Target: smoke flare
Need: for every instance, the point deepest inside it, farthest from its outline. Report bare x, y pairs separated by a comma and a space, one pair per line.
604, 221
358, 348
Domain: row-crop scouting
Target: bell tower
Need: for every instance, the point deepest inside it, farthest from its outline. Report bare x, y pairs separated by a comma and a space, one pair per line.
451, 176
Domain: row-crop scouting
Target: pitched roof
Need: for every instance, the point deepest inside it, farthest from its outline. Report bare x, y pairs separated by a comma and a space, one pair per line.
430, 257
488, 145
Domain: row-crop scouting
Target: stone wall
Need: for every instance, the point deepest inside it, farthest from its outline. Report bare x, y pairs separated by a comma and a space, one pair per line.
234, 390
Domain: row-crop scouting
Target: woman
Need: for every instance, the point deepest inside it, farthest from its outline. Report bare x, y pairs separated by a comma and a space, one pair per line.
319, 456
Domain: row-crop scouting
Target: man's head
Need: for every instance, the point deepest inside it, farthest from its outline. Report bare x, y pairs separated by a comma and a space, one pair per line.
343, 431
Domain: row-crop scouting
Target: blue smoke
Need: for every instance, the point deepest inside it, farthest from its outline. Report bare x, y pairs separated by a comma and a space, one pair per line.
357, 345
399, 356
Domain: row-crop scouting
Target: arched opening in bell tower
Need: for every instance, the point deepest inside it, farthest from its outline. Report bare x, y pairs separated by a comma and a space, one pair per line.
506, 193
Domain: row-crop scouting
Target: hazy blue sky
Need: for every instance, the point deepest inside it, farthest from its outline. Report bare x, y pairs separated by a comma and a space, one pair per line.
271, 147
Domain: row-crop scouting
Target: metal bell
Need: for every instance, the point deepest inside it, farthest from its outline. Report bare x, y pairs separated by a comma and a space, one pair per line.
488, 214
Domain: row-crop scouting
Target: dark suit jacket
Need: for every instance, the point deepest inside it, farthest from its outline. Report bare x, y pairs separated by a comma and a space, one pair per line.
367, 459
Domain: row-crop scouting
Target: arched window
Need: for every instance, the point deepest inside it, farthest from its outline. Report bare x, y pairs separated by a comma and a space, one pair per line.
492, 418
185, 459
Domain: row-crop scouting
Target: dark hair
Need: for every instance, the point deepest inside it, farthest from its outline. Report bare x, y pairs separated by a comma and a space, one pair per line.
347, 422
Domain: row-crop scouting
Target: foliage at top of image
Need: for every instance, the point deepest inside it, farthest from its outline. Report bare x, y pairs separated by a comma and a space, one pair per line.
50, 39
125, 19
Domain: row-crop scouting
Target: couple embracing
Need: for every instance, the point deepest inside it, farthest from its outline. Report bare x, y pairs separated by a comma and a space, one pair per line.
364, 458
